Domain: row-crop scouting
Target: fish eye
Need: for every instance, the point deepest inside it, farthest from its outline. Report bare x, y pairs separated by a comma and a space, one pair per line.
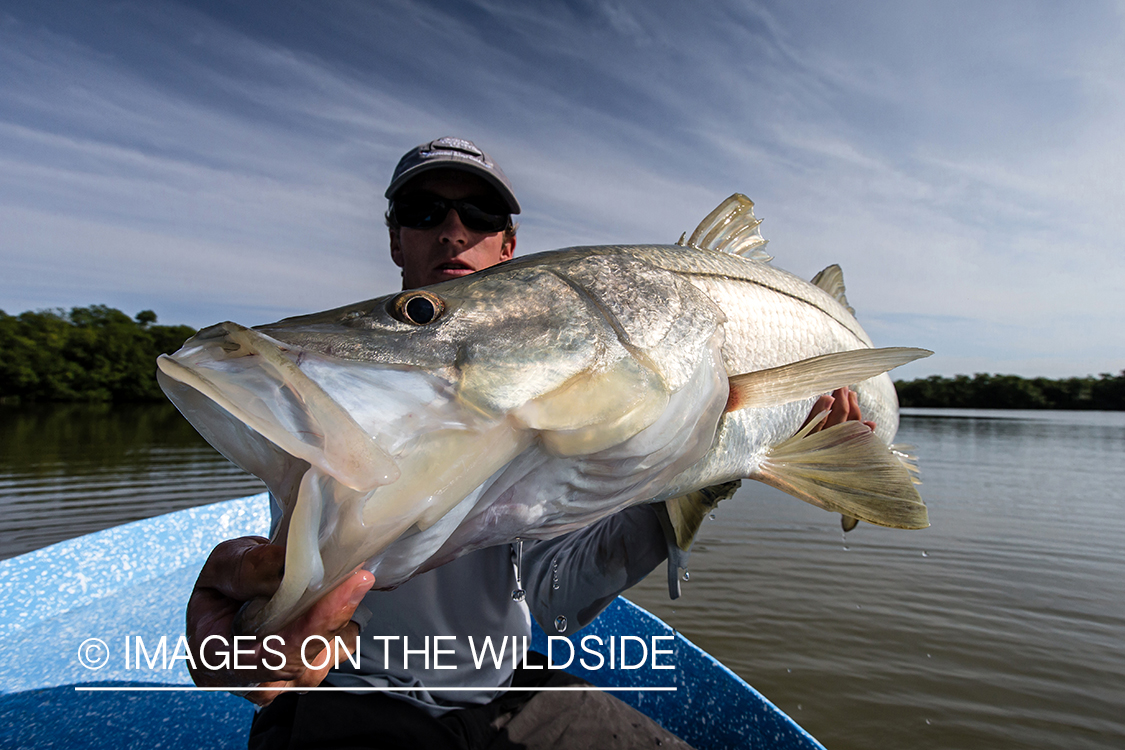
416, 307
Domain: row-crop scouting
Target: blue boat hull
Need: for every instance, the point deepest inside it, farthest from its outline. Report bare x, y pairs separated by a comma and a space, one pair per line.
134, 580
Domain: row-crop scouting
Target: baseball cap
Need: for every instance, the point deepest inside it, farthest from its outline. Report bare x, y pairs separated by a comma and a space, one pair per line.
452, 153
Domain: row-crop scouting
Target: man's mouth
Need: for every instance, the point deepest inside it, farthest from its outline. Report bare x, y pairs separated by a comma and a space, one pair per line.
455, 268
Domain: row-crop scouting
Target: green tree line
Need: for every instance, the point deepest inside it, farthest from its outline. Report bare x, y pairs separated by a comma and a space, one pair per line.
91, 353
982, 391
98, 353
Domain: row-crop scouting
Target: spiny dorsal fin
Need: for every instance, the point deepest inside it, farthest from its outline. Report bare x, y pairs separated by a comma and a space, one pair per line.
687, 512
831, 280
731, 228
845, 469
814, 376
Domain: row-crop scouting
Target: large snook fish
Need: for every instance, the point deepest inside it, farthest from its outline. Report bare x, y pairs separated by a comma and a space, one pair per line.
540, 395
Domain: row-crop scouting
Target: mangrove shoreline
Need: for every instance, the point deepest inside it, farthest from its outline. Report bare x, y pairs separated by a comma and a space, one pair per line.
100, 354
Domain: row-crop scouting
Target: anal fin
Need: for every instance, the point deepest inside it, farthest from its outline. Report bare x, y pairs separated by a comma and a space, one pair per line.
687, 512
846, 469
681, 517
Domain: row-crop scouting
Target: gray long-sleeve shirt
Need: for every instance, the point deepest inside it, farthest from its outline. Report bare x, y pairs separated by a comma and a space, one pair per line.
470, 599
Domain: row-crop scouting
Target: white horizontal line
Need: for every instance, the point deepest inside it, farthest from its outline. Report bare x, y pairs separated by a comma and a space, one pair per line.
333, 689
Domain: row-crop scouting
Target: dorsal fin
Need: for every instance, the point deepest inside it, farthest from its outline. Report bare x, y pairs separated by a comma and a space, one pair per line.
731, 228
831, 280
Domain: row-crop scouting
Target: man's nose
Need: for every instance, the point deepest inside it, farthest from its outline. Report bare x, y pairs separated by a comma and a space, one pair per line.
452, 230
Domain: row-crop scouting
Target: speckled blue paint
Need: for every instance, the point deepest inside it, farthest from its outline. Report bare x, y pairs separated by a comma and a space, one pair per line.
126, 581
134, 580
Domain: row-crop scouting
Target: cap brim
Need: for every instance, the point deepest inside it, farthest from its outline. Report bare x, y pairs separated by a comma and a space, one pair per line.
466, 165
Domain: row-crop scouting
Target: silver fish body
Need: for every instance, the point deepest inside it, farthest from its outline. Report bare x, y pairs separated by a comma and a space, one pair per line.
536, 397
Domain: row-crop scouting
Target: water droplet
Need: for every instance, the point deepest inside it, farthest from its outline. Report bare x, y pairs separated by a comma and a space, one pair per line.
928, 656
799, 707
518, 595
560, 624
788, 670
925, 554
711, 516
859, 606
927, 721
686, 576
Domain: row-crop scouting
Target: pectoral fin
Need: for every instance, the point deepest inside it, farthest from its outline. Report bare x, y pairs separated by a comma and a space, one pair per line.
596, 410
814, 376
846, 469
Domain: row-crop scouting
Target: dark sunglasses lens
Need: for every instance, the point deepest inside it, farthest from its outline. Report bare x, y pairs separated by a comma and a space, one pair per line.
419, 212
426, 211
480, 219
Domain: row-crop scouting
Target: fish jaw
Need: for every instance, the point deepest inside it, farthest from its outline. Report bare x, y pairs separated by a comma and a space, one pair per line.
345, 496
256, 380
333, 531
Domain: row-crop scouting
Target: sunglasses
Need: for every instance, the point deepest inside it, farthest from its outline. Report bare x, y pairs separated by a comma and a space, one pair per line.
426, 211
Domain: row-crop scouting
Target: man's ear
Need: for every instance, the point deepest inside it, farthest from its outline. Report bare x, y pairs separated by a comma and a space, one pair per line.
396, 247
507, 251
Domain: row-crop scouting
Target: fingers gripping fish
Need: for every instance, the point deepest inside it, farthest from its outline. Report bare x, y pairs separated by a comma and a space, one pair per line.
540, 395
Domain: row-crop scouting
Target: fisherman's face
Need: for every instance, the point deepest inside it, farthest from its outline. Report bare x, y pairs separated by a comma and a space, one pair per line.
449, 250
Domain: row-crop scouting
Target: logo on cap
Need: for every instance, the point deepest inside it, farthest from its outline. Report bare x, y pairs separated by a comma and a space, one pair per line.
436, 148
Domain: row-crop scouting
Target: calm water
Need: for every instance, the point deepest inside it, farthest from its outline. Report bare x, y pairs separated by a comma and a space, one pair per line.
68, 470
1001, 626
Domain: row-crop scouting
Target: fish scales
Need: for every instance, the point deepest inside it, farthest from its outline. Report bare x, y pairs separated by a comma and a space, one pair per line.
703, 264
758, 312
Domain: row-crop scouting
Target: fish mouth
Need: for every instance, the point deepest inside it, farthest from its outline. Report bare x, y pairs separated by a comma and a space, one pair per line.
247, 394
370, 464
257, 381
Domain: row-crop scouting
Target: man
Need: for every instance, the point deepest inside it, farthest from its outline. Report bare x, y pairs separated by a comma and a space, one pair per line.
441, 244
450, 215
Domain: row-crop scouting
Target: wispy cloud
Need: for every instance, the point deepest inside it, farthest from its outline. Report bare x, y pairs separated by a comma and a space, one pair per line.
965, 166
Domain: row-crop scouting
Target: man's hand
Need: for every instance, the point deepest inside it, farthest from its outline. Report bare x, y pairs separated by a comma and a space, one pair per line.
239, 570
842, 406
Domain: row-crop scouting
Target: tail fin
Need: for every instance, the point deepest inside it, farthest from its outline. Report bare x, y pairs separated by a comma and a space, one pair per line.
846, 469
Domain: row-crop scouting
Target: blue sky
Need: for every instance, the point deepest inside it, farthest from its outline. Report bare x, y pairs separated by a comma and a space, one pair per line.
963, 162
